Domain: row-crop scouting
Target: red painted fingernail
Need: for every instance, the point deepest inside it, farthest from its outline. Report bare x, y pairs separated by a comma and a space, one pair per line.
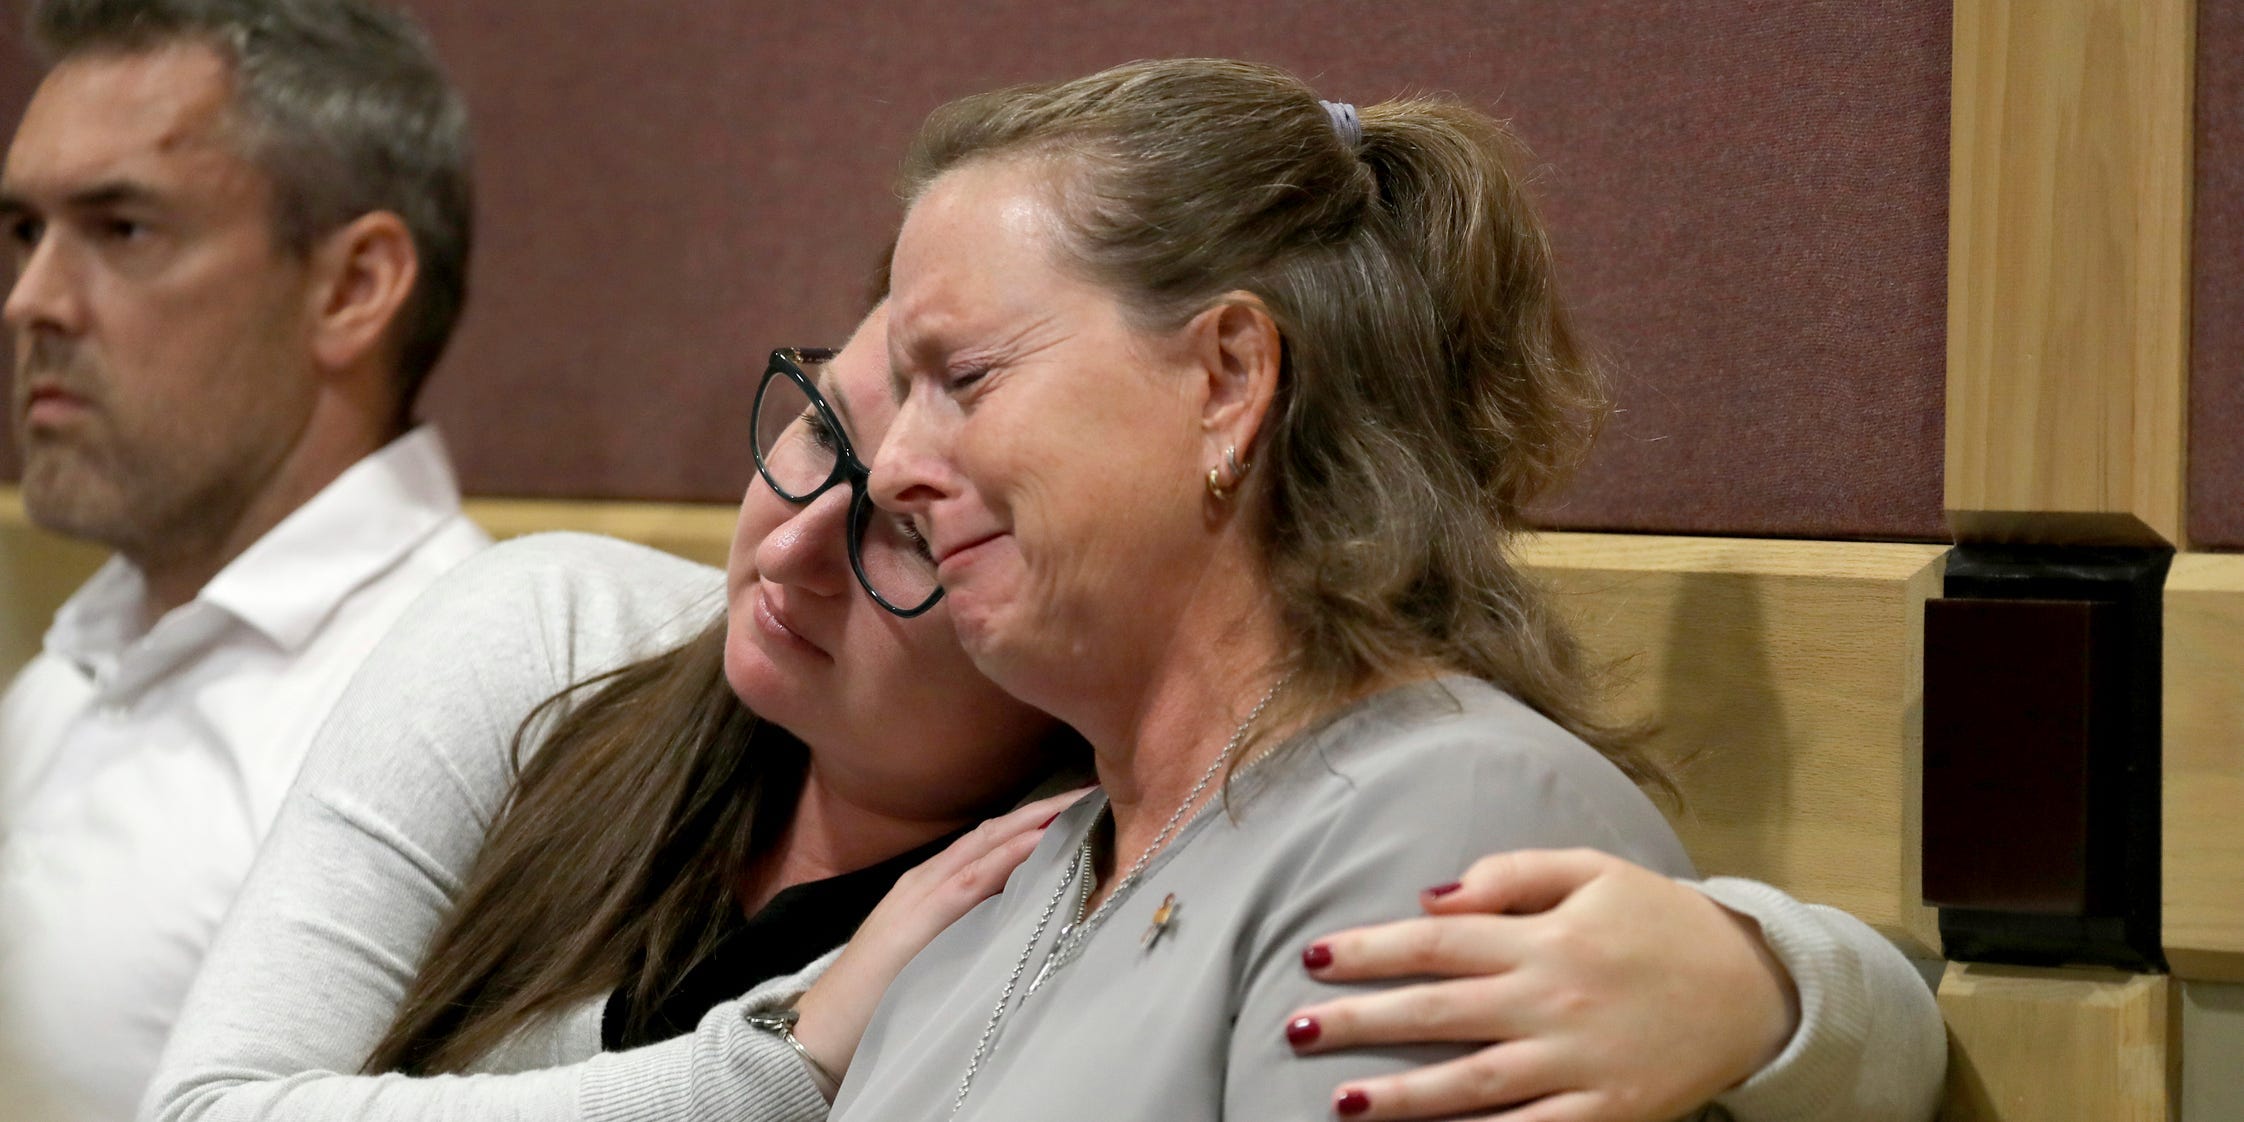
1445, 889
1302, 1032
1049, 821
1351, 1102
1316, 956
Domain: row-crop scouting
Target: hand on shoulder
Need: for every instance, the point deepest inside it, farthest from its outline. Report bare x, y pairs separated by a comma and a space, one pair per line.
1606, 992
836, 1009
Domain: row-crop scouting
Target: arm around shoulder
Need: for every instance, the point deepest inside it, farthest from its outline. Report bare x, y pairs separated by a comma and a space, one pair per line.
1870, 1045
1362, 854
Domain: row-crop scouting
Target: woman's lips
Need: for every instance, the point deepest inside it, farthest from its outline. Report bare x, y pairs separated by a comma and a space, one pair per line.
948, 564
770, 619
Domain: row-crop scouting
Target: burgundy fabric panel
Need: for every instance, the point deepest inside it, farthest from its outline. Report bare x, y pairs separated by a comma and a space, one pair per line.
18, 75
1750, 205
2216, 390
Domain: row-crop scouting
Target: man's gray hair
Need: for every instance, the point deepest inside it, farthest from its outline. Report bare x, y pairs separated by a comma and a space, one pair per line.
343, 106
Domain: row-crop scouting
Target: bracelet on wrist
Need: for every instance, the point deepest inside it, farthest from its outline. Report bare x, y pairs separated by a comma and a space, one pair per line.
781, 1023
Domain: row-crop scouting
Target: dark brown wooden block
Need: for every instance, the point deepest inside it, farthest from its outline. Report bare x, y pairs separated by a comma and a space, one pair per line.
2016, 721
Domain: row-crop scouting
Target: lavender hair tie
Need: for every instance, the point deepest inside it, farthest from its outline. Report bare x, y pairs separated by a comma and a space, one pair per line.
1345, 124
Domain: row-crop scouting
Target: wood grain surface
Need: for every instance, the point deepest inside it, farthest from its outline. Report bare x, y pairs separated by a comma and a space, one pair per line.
1782, 676
2029, 1045
2204, 785
2068, 270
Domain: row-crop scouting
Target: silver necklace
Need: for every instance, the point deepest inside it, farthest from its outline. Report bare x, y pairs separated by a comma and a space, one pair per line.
1072, 936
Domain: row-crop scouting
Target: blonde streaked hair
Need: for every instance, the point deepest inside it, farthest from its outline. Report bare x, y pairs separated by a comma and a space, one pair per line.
1432, 386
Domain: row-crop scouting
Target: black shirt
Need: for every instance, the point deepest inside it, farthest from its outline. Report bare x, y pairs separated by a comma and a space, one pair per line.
800, 923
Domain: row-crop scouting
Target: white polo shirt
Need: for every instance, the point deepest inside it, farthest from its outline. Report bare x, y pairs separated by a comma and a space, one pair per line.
140, 767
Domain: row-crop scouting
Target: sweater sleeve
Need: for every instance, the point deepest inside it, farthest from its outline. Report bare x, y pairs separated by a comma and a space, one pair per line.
724, 1070
1870, 1045
373, 844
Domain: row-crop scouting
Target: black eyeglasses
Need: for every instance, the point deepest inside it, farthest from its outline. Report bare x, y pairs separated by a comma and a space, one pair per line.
802, 453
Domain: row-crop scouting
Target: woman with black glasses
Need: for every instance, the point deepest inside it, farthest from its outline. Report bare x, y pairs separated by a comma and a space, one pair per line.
588, 796
586, 791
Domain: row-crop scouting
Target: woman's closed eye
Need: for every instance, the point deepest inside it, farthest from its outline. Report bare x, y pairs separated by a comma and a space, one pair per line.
959, 381
822, 430
910, 531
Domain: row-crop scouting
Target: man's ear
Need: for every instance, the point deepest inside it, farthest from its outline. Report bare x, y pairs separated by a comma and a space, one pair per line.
1240, 351
362, 274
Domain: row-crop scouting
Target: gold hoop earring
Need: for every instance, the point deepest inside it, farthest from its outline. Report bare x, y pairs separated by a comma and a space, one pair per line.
1216, 489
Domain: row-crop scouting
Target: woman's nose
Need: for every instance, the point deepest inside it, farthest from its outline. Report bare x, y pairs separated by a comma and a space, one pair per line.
906, 476
810, 550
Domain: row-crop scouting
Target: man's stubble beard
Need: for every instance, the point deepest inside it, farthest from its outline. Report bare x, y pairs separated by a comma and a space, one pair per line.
88, 482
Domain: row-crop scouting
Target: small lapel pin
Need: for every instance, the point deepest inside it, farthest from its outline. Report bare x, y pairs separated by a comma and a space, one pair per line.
1161, 918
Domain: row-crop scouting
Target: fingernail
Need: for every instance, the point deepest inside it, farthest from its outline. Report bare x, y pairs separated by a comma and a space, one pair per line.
1302, 1032
1316, 956
1441, 890
1055, 817
1351, 1102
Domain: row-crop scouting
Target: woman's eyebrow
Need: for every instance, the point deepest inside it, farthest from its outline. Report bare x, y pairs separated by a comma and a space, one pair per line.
832, 393
919, 344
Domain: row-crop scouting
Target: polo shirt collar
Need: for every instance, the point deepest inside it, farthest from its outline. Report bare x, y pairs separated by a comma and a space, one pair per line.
287, 583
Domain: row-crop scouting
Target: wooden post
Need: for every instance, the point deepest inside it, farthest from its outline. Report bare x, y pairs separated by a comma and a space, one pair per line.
2203, 867
2068, 357
2068, 270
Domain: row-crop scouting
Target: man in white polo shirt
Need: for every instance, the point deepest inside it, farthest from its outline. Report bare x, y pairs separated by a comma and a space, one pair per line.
239, 232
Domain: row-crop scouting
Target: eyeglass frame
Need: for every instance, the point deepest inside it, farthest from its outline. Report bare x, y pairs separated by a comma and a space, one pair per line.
787, 362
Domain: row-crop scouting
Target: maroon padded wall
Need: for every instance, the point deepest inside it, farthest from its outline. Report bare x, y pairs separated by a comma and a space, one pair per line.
17, 74
2216, 392
1749, 200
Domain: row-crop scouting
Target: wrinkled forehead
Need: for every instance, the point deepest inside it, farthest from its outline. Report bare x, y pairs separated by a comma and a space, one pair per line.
978, 259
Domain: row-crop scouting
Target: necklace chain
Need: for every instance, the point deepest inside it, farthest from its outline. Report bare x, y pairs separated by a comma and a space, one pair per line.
1075, 934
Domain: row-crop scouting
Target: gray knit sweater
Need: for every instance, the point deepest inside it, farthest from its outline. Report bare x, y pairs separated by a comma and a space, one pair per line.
372, 847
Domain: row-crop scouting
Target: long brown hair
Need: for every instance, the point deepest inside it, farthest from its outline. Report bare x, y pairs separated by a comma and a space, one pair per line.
612, 863
1431, 383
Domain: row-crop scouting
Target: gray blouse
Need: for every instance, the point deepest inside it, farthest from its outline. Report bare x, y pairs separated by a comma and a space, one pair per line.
1398, 794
